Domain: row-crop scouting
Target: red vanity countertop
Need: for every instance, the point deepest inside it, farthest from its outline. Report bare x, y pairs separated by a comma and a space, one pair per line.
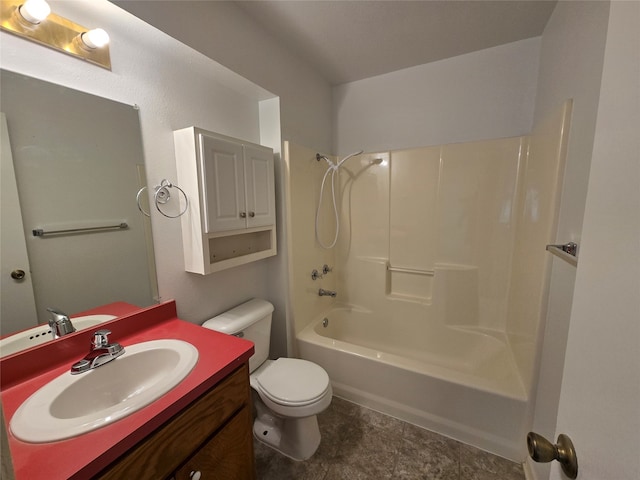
82, 457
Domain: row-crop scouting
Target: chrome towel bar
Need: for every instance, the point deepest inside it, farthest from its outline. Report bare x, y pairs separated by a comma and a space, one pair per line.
39, 232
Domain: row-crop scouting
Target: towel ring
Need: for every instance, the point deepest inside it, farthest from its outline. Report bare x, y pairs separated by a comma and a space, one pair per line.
138, 202
163, 195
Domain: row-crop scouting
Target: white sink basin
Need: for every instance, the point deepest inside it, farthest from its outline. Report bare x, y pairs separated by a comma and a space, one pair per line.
71, 405
42, 334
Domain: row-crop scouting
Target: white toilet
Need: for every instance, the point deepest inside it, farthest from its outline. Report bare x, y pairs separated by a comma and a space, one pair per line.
290, 391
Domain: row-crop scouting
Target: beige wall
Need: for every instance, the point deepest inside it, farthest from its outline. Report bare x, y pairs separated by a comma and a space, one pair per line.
304, 177
538, 203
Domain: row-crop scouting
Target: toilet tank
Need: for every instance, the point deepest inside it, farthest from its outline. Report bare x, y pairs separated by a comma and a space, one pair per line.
251, 321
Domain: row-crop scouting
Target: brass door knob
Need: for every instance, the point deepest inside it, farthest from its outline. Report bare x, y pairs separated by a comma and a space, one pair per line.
542, 450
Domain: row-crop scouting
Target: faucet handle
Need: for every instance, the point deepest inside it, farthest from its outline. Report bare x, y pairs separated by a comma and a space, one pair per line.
101, 338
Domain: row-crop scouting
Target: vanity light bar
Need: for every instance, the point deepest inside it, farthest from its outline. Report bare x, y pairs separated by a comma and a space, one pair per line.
54, 31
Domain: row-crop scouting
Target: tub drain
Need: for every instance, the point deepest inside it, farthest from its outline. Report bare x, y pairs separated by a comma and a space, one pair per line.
325, 322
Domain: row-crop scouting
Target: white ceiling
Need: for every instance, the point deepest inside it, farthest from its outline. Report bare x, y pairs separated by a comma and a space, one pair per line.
352, 40
348, 40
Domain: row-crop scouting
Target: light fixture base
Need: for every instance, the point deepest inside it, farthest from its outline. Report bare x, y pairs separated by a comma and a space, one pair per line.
55, 32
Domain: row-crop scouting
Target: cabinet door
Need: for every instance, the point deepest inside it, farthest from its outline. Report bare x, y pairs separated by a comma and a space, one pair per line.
222, 166
259, 181
227, 456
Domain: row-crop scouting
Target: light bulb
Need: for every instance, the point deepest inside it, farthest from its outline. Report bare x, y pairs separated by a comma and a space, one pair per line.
95, 38
34, 11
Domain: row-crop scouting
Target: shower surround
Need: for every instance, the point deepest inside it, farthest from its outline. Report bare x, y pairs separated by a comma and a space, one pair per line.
441, 274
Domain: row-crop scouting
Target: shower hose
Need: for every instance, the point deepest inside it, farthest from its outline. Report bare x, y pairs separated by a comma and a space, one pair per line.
333, 169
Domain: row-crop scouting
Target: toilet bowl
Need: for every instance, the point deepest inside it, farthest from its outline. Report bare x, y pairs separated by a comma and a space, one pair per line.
289, 392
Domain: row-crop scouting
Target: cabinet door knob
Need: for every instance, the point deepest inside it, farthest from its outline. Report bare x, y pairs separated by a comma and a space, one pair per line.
243, 214
252, 214
195, 475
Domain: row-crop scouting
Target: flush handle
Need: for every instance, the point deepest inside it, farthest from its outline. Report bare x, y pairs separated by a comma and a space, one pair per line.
542, 450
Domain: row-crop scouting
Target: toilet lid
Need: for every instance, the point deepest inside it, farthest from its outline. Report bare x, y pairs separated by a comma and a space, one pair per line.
295, 382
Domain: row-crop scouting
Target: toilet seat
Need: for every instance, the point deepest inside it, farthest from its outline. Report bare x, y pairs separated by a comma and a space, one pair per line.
292, 387
293, 382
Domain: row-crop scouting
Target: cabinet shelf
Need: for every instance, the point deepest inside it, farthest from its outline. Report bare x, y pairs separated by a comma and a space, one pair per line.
238, 247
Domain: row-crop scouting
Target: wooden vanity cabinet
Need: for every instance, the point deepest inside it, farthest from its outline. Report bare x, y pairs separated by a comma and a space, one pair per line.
224, 455
213, 436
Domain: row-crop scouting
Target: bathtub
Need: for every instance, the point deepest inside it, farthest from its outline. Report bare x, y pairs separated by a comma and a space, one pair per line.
460, 382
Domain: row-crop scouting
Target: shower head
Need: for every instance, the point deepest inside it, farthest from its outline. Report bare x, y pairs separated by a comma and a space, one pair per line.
376, 161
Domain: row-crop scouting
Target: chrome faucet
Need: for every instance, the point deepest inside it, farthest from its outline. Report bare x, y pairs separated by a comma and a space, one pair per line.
60, 323
101, 352
327, 293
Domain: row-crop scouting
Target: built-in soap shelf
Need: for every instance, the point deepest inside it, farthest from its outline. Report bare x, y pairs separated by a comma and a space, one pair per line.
409, 284
567, 252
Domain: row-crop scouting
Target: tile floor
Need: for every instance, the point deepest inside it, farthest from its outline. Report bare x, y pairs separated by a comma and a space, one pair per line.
358, 443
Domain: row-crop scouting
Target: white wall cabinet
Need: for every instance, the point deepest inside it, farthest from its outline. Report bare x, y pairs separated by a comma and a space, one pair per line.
230, 185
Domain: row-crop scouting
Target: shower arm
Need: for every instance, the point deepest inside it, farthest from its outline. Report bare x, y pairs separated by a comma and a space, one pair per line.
335, 166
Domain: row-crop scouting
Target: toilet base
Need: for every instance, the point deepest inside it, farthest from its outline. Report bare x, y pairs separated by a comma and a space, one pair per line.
296, 438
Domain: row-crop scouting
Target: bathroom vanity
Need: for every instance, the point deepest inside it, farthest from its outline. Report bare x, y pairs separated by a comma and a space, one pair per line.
201, 425
212, 436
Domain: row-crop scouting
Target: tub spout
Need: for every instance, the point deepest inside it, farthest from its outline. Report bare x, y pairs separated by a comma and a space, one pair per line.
327, 293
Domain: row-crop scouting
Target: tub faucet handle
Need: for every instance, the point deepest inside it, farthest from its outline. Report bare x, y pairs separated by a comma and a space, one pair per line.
326, 269
327, 293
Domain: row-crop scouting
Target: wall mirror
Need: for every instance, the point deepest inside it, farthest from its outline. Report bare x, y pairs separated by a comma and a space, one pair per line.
72, 163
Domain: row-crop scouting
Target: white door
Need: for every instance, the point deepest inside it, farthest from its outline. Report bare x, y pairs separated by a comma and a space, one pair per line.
259, 181
600, 397
223, 189
18, 307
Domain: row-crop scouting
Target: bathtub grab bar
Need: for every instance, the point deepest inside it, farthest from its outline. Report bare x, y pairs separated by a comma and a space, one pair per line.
429, 273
